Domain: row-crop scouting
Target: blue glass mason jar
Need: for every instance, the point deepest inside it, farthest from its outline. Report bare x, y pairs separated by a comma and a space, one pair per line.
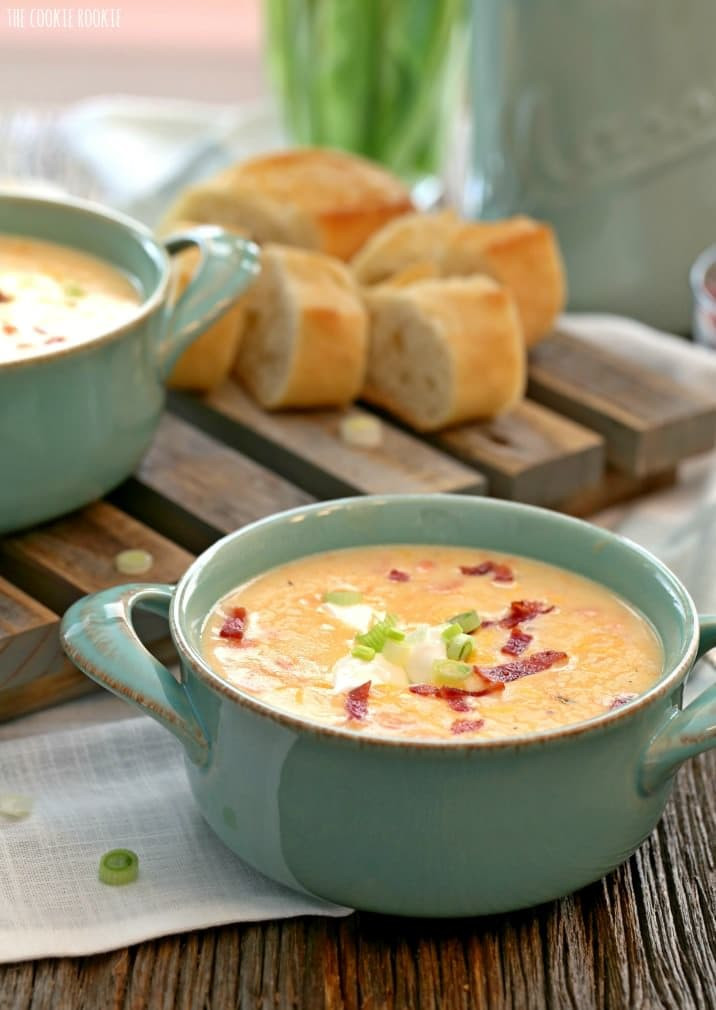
600, 116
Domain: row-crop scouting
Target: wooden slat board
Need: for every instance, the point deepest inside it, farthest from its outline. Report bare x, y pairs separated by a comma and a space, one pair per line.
194, 489
531, 454
306, 448
29, 644
648, 421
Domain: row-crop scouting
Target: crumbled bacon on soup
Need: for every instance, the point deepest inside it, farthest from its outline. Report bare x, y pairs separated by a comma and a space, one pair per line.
9, 329
520, 610
500, 572
507, 672
357, 701
235, 624
395, 575
621, 699
456, 697
5, 297
517, 642
467, 725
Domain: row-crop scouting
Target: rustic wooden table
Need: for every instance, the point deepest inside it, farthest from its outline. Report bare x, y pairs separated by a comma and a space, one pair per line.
642, 938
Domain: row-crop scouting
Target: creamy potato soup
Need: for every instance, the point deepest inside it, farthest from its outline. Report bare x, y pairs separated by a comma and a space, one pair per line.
432, 642
52, 296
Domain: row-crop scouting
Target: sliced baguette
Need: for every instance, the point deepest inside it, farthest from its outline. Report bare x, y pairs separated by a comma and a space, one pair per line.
306, 335
444, 351
313, 198
411, 239
520, 253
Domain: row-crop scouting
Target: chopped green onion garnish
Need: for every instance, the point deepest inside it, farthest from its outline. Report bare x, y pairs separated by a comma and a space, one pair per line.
449, 669
134, 561
377, 636
451, 631
15, 805
395, 634
73, 290
459, 647
118, 866
363, 652
343, 597
469, 621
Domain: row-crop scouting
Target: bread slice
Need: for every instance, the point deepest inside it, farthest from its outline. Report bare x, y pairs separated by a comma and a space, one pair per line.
411, 239
314, 198
208, 361
306, 336
444, 351
520, 253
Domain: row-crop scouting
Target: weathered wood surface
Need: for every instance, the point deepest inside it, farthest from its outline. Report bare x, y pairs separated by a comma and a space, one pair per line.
531, 454
195, 489
649, 421
306, 447
642, 939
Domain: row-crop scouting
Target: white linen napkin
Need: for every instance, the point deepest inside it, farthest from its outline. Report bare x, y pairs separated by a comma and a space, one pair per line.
116, 785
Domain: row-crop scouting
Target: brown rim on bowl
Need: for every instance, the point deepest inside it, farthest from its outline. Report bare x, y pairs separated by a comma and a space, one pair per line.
666, 684
144, 238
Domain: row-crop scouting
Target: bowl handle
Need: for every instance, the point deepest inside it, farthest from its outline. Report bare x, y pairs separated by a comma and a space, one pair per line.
688, 732
227, 265
98, 635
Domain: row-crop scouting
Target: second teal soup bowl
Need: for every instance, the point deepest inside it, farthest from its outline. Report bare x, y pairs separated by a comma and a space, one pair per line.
419, 828
75, 421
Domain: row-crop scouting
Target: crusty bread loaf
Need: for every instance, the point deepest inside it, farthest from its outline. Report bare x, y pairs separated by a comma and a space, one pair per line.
206, 362
314, 198
306, 335
410, 239
444, 351
520, 253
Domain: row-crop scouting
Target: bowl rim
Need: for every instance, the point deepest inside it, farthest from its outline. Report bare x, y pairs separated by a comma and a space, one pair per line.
143, 237
665, 685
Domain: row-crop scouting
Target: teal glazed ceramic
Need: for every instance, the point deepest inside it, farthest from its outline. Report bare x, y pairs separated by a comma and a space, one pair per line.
75, 421
419, 828
600, 116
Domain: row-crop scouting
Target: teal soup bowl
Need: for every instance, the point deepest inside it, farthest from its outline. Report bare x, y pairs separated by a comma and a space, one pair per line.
419, 828
75, 421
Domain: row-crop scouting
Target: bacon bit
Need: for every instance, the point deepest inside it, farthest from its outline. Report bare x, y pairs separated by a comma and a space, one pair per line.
425, 566
56, 340
357, 701
9, 329
450, 694
521, 667
466, 725
517, 642
520, 610
500, 572
235, 625
459, 704
39, 329
621, 699
4, 297
395, 575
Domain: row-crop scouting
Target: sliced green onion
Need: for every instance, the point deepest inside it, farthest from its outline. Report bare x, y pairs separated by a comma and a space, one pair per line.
15, 805
118, 866
450, 632
74, 290
363, 652
450, 670
395, 634
468, 621
459, 647
134, 561
377, 636
343, 597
